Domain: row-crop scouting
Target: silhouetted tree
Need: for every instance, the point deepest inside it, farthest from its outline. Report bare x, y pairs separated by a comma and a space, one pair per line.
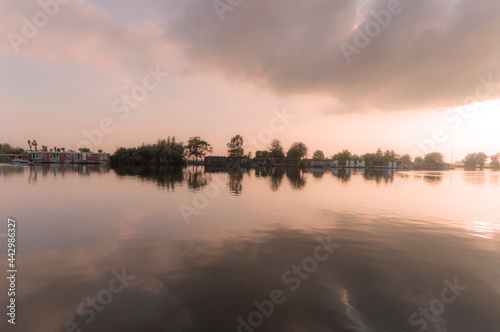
472, 160
342, 156
164, 152
262, 155
8, 149
197, 147
390, 155
298, 150
235, 147
495, 161
318, 154
367, 157
406, 158
481, 158
355, 157
276, 150
296, 178
434, 157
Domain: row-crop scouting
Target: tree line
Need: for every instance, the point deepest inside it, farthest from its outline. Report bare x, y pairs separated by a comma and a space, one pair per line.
299, 150
171, 152
479, 159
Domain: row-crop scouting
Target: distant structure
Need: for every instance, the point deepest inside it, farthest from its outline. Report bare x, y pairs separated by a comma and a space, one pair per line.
293, 162
325, 163
227, 161
440, 166
282, 162
385, 164
70, 157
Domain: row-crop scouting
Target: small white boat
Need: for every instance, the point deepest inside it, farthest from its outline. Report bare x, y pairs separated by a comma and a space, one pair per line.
21, 162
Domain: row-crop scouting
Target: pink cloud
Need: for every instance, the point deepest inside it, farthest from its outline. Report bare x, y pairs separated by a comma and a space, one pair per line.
80, 33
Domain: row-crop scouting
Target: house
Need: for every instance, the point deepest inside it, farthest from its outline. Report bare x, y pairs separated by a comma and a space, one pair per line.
351, 163
318, 163
283, 162
70, 157
385, 164
325, 163
360, 164
226, 161
440, 166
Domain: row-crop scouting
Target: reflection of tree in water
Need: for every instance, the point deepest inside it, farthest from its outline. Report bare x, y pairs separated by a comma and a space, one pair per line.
235, 176
195, 178
276, 178
475, 178
275, 174
261, 172
433, 179
235, 186
35, 170
429, 177
343, 174
296, 178
164, 177
11, 170
495, 177
379, 175
317, 173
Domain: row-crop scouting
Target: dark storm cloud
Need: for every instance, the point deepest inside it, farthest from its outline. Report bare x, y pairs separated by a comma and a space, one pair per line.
429, 55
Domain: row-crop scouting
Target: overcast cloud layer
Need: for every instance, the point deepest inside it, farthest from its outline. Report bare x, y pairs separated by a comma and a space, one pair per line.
227, 76
430, 55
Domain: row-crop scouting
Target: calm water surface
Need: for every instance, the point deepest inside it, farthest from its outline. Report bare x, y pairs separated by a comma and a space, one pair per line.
202, 249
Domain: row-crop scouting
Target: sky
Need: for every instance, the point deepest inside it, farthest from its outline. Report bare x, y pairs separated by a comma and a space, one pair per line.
413, 76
